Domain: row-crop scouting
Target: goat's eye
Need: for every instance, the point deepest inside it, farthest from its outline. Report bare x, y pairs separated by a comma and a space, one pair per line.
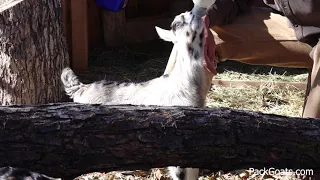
176, 26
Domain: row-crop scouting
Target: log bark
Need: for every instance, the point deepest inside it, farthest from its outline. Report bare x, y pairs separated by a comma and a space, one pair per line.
33, 52
62, 140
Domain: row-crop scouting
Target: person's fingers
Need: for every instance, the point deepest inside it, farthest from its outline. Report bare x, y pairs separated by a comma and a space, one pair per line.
209, 47
209, 37
206, 21
210, 63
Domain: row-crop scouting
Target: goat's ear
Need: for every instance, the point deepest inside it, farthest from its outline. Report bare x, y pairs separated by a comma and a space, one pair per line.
166, 35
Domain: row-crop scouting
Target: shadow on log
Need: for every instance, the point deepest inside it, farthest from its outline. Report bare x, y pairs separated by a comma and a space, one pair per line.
66, 140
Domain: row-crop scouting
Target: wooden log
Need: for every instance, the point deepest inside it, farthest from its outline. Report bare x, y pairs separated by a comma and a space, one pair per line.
66, 140
33, 52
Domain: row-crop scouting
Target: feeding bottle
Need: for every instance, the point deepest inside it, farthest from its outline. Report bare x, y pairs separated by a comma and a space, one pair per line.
200, 6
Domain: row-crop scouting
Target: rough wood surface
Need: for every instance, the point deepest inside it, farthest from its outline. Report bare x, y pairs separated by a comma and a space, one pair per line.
33, 51
114, 27
69, 139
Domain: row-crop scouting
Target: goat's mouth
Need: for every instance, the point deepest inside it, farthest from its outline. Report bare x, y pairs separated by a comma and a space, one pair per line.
192, 18
195, 21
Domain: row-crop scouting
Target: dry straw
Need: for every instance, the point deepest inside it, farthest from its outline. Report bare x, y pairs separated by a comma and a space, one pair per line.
124, 64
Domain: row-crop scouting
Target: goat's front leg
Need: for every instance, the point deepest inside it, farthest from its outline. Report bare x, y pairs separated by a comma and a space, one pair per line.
172, 60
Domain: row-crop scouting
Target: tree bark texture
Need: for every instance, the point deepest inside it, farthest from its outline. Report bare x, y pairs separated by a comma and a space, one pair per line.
33, 52
64, 140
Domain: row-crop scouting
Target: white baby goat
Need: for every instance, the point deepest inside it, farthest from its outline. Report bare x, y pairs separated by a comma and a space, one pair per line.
186, 84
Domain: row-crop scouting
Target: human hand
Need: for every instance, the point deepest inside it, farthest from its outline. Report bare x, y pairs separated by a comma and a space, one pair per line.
209, 47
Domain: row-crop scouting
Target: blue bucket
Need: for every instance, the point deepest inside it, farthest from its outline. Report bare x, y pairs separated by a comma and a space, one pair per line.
112, 5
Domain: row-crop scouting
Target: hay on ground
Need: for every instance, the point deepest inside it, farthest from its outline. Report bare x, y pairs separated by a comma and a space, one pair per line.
124, 64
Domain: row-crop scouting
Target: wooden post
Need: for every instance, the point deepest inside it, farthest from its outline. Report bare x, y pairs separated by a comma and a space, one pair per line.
79, 18
114, 25
94, 25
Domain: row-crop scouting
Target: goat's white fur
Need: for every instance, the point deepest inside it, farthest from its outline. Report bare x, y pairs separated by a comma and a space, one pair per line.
186, 84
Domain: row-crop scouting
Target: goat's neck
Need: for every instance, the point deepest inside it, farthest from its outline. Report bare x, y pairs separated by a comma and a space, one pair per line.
189, 60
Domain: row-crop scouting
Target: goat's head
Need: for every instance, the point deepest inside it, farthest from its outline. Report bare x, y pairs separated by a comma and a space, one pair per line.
187, 33
186, 29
